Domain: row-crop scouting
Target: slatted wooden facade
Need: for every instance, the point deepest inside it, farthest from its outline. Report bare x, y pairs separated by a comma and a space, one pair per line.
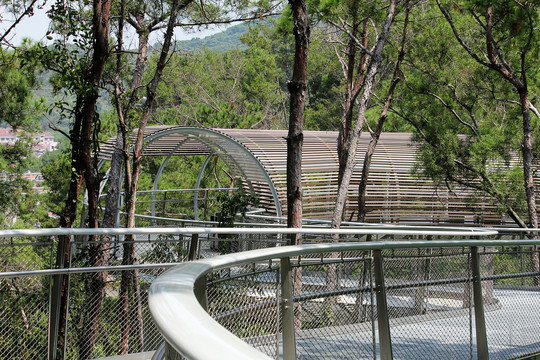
394, 194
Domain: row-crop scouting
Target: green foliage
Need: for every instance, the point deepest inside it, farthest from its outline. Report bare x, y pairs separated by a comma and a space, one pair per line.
232, 204
324, 108
18, 110
18, 107
56, 172
466, 124
165, 249
221, 89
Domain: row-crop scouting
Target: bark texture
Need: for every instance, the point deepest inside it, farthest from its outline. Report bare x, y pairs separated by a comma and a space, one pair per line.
83, 168
130, 278
362, 186
297, 88
352, 145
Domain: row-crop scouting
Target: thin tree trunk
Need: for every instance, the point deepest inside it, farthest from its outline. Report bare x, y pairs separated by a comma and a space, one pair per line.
132, 180
63, 253
350, 154
352, 91
297, 88
101, 21
347, 158
362, 186
528, 175
83, 168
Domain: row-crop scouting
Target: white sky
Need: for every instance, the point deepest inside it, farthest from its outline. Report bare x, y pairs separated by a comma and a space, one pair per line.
36, 27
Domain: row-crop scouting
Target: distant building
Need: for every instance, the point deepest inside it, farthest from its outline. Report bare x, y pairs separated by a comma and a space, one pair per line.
42, 141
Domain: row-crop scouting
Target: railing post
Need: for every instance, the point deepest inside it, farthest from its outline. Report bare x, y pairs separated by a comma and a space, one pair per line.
385, 340
481, 336
200, 292
60, 289
193, 246
287, 311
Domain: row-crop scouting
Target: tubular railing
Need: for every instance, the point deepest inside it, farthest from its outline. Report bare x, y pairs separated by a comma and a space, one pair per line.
465, 298
28, 273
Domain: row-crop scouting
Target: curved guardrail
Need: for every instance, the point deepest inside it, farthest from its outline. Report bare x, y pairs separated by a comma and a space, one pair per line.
175, 297
27, 257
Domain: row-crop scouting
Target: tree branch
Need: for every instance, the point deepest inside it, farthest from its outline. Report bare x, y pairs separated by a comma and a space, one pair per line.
26, 12
458, 36
456, 115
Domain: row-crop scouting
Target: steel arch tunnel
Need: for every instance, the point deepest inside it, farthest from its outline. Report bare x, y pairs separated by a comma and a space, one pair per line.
259, 158
169, 141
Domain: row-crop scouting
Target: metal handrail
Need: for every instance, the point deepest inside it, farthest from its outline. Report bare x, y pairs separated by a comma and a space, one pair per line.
189, 329
242, 231
45, 237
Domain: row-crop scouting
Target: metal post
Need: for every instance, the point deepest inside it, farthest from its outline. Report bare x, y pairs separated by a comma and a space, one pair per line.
164, 204
200, 292
198, 187
287, 311
385, 340
481, 336
170, 353
54, 305
194, 244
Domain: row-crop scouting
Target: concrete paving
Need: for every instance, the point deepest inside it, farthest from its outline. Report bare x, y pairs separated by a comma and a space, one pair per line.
513, 329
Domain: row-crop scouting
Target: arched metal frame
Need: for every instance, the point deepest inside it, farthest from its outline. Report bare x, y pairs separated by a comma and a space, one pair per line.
198, 186
173, 140
158, 175
259, 157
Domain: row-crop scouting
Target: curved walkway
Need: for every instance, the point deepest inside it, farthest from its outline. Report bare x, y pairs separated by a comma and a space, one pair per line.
512, 330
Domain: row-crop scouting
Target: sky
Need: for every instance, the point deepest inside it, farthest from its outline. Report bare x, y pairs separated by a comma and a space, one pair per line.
36, 26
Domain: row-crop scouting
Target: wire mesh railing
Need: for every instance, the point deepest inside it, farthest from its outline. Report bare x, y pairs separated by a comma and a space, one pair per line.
419, 299
108, 306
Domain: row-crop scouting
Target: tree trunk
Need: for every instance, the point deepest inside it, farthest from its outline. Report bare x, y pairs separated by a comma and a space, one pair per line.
348, 157
63, 253
97, 251
132, 181
528, 175
297, 88
83, 168
350, 154
352, 91
362, 186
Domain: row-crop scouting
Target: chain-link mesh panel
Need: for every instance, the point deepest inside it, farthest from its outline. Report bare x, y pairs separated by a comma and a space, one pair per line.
334, 312
22, 254
428, 297
24, 309
513, 317
245, 300
24, 301
117, 311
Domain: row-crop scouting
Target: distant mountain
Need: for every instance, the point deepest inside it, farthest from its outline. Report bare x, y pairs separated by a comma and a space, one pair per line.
222, 41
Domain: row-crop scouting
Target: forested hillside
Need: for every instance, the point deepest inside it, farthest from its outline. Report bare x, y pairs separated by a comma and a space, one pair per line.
432, 79
224, 40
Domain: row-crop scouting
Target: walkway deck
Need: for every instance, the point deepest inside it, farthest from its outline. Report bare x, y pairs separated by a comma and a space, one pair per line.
511, 327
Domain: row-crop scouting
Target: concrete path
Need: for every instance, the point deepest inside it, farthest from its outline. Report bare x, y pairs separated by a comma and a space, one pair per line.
513, 329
